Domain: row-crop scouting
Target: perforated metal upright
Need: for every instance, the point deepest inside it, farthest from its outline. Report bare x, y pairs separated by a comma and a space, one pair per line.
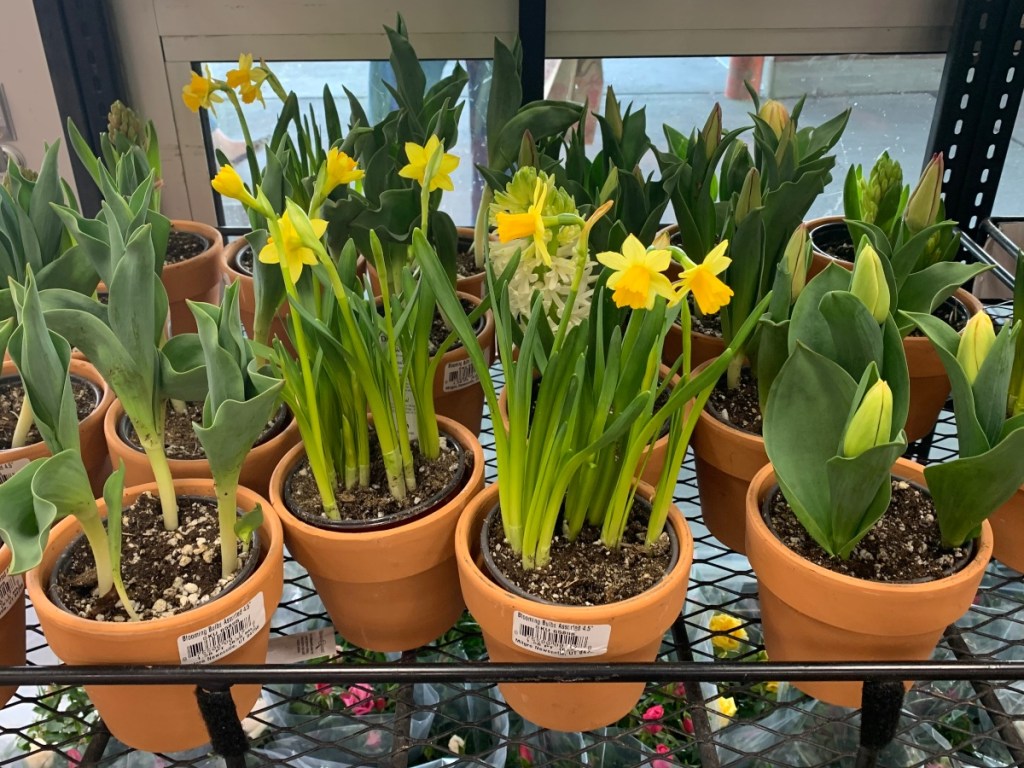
978, 101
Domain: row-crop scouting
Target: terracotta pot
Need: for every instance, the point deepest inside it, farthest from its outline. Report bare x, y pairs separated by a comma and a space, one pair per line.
256, 471
820, 259
247, 294
386, 590
929, 384
12, 621
725, 461
198, 278
90, 432
159, 718
1008, 529
637, 627
810, 613
458, 393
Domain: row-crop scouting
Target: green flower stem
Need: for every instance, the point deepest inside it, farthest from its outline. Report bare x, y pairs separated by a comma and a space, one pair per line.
25, 420
96, 535
154, 449
480, 241
349, 441
733, 372
226, 486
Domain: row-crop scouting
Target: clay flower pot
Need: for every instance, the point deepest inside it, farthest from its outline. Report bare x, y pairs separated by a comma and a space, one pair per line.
637, 627
256, 471
198, 278
90, 432
725, 461
825, 225
1008, 530
12, 621
386, 590
247, 295
458, 393
158, 718
810, 613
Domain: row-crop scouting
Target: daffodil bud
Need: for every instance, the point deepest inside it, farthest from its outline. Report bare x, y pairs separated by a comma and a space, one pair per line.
871, 424
923, 206
975, 344
750, 195
775, 114
869, 284
712, 133
798, 256
612, 114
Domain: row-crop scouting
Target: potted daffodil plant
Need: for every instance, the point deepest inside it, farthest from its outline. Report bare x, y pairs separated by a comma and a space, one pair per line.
582, 383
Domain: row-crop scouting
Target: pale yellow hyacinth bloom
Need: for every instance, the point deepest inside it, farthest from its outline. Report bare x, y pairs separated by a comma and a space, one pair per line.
638, 277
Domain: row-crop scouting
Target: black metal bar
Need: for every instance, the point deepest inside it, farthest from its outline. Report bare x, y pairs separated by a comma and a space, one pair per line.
485, 672
979, 253
532, 31
699, 717
97, 746
881, 702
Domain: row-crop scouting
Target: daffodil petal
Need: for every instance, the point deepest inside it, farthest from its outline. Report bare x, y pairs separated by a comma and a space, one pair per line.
269, 254
613, 260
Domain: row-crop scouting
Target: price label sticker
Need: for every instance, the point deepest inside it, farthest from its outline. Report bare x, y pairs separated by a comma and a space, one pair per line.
289, 649
459, 374
9, 469
12, 592
558, 639
205, 646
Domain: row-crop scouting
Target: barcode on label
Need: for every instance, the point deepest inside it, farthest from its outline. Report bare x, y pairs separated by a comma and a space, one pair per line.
9, 469
12, 590
558, 639
459, 374
216, 641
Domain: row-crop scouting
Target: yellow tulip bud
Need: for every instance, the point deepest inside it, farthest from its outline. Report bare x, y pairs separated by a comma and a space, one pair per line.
775, 114
797, 256
712, 132
871, 424
923, 206
869, 285
975, 344
228, 183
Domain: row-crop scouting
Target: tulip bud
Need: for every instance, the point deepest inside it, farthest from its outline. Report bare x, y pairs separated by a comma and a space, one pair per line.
750, 196
798, 258
612, 114
775, 114
869, 284
923, 206
662, 240
871, 424
712, 133
975, 344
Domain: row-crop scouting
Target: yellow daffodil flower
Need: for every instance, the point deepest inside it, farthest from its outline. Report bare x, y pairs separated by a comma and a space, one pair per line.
296, 254
729, 632
771, 688
702, 281
726, 706
417, 167
513, 226
341, 169
228, 183
247, 79
638, 277
200, 92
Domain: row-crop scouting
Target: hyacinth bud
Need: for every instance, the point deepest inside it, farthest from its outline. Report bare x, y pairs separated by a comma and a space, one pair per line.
750, 195
123, 122
923, 206
871, 424
775, 114
612, 114
712, 133
798, 257
975, 344
869, 284
885, 174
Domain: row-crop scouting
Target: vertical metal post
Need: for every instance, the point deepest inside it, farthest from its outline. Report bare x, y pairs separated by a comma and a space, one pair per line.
532, 31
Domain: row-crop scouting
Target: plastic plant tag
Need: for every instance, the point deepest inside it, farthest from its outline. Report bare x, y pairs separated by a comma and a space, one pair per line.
204, 646
289, 649
9, 469
459, 374
558, 639
12, 589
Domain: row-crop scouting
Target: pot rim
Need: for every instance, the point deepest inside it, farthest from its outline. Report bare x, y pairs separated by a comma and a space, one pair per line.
717, 425
904, 469
499, 577
582, 614
470, 444
115, 413
229, 253
179, 623
215, 241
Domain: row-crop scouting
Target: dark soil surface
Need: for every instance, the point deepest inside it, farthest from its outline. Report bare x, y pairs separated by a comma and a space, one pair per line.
12, 394
465, 261
710, 325
180, 439
374, 502
182, 246
244, 261
165, 572
585, 572
952, 313
904, 545
739, 407
842, 250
